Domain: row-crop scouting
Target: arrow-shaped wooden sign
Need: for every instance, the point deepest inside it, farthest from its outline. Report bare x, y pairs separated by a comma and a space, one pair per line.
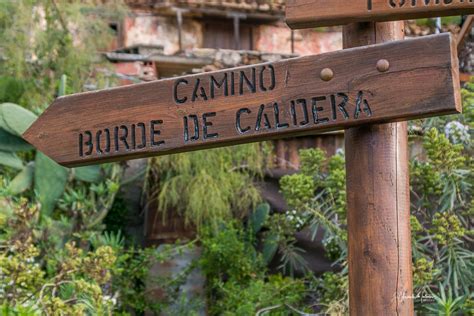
380, 83
315, 13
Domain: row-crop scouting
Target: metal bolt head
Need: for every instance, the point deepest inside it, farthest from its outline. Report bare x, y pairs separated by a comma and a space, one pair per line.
383, 65
326, 74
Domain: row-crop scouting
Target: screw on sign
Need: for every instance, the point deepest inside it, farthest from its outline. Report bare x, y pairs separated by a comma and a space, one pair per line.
373, 84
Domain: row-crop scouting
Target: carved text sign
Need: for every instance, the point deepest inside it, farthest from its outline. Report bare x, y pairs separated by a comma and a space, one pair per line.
314, 13
379, 83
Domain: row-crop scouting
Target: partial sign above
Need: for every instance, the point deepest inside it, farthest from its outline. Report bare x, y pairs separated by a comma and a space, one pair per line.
314, 13
380, 83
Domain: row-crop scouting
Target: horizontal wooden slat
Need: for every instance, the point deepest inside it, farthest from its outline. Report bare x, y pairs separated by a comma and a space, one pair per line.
314, 13
265, 101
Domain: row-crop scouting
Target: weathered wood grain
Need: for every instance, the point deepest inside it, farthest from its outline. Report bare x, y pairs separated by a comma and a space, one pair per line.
159, 117
315, 13
378, 203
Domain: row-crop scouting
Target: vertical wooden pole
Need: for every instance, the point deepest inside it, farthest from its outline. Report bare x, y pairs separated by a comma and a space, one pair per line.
378, 202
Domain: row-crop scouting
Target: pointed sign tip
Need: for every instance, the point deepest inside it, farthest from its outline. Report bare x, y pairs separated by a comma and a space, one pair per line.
27, 137
31, 134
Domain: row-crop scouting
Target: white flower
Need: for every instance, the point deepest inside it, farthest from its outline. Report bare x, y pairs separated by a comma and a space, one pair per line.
457, 133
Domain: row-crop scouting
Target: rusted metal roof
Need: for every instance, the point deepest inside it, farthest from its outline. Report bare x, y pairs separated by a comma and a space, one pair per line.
195, 60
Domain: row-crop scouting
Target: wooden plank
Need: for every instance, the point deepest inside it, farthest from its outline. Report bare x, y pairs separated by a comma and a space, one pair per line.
253, 103
378, 203
316, 13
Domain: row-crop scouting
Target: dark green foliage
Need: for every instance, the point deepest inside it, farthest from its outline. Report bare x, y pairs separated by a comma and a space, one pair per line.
275, 294
442, 196
446, 304
15, 119
258, 217
115, 221
334, 288
238, 283
50, 181
12, 143
46, 176
22, 180
270, 247
316, 198
91, 174
131, 277
227, 255
11, 89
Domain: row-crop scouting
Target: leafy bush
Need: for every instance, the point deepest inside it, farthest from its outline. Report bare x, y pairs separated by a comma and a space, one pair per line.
208, 187
237, 277
442, 208
297, 189
276, 294
226, 255
67, 282
43, 40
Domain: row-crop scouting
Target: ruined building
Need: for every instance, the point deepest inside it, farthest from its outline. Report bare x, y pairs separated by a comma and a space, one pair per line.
167, 38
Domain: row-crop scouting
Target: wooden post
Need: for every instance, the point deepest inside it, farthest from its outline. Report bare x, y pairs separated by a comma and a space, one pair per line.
378, 202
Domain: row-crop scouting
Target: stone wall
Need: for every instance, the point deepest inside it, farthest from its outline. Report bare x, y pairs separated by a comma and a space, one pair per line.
277, 39
148, 29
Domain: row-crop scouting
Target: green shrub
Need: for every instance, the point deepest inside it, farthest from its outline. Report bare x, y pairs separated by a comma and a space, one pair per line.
229, 254
208, 187
297, 189
274, 294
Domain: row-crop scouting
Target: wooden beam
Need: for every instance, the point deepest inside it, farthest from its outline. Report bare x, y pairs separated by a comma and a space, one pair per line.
380, 83
466, 28
378, 203
316, 13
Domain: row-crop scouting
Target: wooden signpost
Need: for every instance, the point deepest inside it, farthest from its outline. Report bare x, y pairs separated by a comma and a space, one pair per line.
315, 13
365, 90
378, 195
373, 84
